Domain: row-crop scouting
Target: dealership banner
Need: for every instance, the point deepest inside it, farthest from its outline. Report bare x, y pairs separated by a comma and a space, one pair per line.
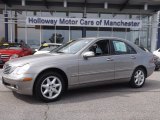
86, 22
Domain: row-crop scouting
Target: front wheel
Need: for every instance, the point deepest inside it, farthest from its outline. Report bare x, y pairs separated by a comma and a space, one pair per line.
49, 87
138, 78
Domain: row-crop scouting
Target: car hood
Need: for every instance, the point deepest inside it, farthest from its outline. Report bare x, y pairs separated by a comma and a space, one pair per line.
40, 59
9, 51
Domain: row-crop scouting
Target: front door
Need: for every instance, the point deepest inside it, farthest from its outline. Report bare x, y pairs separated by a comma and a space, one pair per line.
97, 68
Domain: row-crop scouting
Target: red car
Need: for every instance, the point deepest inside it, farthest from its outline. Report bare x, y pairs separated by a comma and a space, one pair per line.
13, 50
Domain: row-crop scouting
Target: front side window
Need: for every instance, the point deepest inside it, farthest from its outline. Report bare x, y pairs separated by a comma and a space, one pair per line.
120, 47
100, 48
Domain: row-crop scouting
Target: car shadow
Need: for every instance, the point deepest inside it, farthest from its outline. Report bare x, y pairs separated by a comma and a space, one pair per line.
27, 98
96, 92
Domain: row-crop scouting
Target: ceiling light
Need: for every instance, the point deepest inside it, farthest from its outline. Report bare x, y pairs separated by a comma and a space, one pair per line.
105, 5
23, 2
65, 3
145, 6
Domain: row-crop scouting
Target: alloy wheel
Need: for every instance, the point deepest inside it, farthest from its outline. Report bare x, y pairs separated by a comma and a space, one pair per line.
51, 87
139, 77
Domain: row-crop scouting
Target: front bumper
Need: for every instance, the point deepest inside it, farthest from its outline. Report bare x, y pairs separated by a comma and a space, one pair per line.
17, 85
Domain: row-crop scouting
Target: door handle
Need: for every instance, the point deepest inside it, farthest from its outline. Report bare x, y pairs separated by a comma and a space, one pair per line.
109, 59
133, 57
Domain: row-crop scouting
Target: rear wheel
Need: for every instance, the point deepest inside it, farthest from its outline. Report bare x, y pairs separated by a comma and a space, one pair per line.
49, 87
138, 78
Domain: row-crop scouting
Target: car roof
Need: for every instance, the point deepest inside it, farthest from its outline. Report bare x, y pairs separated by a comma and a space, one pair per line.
110, 38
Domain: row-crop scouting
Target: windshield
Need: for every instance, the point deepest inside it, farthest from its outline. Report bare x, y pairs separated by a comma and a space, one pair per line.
10, 46
48, 48
73, 47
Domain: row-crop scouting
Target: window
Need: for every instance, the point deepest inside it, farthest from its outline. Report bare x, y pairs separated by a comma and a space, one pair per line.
73, 47
92, 15
122, 48
130, 50
119, 47
100, 48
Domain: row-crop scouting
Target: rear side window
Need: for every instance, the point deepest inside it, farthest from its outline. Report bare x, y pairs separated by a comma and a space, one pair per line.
120, 47
130, 50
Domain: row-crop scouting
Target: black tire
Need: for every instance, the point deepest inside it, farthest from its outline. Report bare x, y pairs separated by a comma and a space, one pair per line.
157, 68
133, 82
38, 86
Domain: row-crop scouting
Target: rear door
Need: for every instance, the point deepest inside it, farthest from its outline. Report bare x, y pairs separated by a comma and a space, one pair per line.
124, 59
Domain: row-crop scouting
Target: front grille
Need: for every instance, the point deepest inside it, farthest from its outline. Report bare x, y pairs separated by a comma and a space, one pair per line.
5, 56
7, 69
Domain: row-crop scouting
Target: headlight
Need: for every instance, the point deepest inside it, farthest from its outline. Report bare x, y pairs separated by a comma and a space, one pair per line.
14, 56
21, 69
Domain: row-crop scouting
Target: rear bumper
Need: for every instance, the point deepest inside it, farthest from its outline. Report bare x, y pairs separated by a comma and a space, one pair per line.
150, 70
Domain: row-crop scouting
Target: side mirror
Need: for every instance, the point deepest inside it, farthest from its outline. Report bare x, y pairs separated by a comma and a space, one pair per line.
88, 54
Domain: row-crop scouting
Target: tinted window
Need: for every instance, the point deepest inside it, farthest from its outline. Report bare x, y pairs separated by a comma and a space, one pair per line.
120, 47
100, 48
130, 50
27, 46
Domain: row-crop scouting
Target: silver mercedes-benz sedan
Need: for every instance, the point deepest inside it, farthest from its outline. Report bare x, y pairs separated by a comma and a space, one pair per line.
79, 62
